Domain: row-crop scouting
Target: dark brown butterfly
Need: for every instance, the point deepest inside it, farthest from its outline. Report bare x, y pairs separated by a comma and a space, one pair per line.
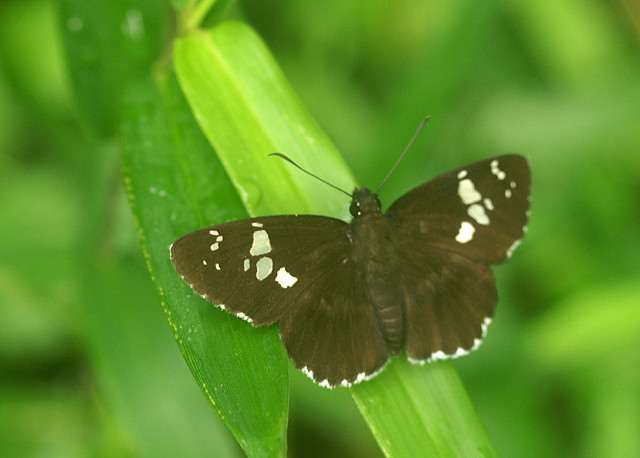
347, 296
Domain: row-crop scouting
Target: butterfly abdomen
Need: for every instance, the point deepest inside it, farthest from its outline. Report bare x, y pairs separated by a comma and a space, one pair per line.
372, 254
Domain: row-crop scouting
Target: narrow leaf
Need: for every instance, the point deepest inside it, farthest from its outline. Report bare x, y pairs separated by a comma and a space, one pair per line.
176, 184
422, 411
247, 110
109, 43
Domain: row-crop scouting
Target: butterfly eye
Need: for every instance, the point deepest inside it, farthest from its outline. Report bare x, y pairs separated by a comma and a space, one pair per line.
354, 209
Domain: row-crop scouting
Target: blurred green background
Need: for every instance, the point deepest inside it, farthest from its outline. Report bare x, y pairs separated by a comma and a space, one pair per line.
88, 365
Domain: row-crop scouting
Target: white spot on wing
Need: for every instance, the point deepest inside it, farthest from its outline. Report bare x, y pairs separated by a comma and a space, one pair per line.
264, 267
261, 243
309, 373
244, 317
495, 169
285, 279
214, 232
465, 234
438, 355
215, 246
217, 266
467, 192
476, 211
247, 264
512, 248
204, 262
485, 326
257, 224
361, 377
488, 203
462, 174
507, 193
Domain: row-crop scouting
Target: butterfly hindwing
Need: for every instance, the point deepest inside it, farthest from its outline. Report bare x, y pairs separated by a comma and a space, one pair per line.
331, 331
449, 301
296, 270
479, 211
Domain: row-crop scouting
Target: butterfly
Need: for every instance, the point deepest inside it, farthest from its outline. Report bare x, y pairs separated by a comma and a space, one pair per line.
416, 278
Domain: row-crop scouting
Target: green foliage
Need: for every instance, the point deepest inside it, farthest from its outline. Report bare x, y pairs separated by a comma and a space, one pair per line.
175, 184
249, 112
87, 362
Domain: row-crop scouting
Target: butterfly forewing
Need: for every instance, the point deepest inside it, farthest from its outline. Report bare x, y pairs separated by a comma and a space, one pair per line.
296, 270
253, 267
479, 211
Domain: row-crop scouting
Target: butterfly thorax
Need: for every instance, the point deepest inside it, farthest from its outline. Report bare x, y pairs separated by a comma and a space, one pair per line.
373, 254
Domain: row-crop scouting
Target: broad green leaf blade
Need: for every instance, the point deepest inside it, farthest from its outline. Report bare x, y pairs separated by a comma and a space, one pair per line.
110, 43
176, 184
247, 110
422, 411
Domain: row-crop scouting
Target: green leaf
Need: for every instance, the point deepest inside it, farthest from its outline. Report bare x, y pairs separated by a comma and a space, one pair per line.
421, 411
247, 110
108, 44
175, 184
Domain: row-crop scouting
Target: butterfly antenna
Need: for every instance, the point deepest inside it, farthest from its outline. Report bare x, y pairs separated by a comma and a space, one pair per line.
403, 153
288, 159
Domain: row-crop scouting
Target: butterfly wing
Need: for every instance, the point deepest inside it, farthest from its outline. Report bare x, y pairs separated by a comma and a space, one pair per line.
296, 270
331, 331
448, 232
479, 211
449, 301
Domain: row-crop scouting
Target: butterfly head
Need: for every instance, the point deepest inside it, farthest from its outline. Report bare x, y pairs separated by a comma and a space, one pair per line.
364, 201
